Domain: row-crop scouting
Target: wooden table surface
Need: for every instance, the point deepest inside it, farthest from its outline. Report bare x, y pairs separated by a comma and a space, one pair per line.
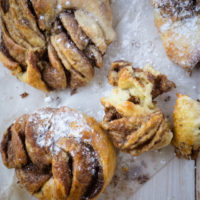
178, 180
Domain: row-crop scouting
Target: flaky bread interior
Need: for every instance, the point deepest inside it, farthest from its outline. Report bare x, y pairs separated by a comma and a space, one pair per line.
132, 119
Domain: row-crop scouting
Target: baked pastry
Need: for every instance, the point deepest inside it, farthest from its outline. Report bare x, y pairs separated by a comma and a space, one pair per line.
186, 127
132, 119
59, 154
178, 24
54, 44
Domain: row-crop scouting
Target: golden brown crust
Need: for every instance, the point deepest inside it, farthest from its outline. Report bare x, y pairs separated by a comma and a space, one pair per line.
133, 121
186, 116
62, 30
73, 59
59, 154
178, 25
12, 147
54, 74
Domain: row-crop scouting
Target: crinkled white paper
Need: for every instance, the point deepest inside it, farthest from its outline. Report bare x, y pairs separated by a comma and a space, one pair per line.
138, 41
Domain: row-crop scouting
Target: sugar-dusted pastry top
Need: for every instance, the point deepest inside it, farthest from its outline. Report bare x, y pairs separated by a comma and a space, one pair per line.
177, 9
132, 119
178, 24
59, 154
186, 127
55, 44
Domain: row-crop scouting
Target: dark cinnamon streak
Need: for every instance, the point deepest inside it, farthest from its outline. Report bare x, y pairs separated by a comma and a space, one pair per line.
56, 27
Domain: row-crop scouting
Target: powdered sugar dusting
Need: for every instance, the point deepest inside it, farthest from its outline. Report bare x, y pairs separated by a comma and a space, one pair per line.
40, 122
53, 125
178, 23
186, 30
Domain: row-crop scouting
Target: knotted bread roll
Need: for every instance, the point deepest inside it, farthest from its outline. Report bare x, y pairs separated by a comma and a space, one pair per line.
54, 44
59, 154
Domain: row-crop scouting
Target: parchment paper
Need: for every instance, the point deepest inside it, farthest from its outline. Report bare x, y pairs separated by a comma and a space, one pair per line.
137, 41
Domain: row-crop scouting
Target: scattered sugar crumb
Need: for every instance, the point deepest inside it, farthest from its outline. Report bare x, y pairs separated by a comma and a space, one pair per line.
48, 99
